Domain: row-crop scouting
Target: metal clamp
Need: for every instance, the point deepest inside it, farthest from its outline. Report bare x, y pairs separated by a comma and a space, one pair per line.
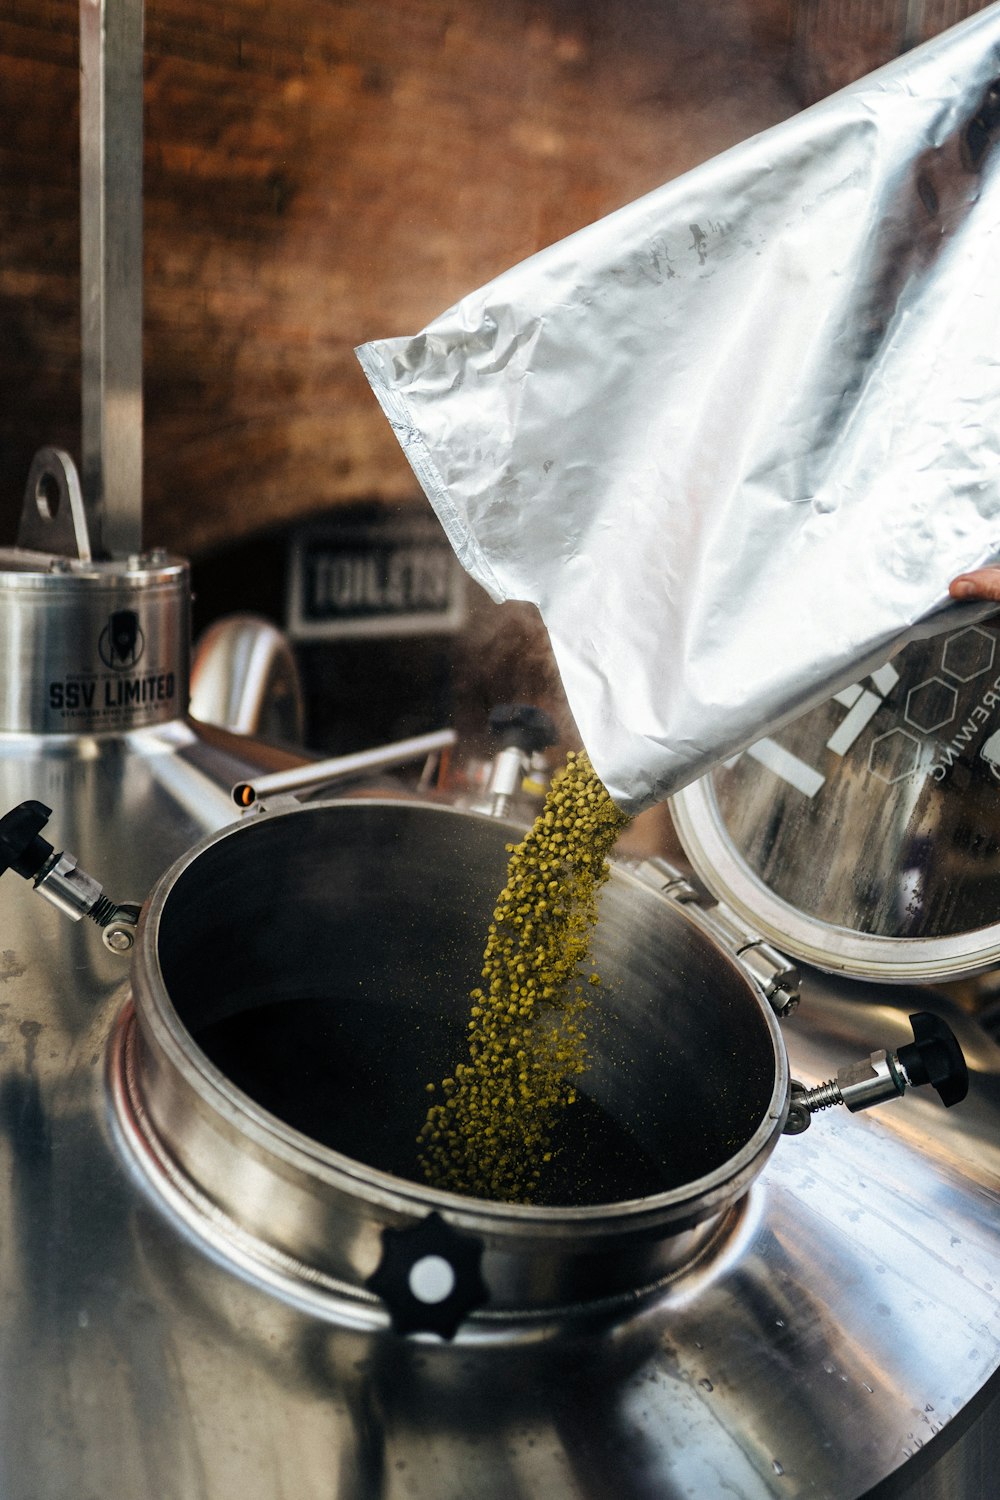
934, 1056
772, 973
58, 877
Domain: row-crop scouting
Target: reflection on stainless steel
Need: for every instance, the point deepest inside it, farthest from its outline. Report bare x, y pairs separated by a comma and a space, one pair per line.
866, 836
245, 677
735, 439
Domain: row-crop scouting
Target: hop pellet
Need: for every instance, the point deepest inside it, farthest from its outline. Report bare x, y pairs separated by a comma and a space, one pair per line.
491, 1133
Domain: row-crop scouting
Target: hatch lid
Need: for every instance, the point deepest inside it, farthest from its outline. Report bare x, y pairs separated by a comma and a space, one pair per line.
864, 838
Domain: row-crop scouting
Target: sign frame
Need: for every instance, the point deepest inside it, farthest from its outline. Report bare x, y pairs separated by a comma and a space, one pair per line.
361, 578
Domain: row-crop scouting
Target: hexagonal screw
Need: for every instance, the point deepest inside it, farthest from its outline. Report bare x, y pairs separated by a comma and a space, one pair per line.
119, 937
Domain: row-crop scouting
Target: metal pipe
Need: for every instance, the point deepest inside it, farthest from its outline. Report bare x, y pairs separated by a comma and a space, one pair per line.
111, 52
343, 767
245, 678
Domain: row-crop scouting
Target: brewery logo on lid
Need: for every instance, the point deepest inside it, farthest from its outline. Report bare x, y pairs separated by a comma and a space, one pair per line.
122, 642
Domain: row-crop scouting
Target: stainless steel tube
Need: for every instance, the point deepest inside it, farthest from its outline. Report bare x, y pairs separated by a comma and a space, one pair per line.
343, 767
111, 41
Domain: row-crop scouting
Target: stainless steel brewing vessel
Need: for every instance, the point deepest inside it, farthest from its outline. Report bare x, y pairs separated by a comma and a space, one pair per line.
191, 1277
194, 1304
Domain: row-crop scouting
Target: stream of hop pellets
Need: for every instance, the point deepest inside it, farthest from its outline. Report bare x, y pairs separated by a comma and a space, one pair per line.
488, 1132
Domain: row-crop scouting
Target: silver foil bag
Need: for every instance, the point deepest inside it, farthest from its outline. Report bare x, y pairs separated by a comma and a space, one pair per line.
734, 439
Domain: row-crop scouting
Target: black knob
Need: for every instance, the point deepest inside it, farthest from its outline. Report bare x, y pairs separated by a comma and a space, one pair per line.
21, 849
935, 1057
522, 725
429, 1277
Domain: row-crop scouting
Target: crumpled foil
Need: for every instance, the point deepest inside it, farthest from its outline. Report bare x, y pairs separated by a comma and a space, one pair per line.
735, 439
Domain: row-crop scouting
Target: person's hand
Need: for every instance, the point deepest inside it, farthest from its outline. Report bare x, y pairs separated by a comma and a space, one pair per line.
981, 583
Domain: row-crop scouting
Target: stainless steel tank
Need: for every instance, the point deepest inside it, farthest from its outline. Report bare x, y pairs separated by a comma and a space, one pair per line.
201, 1292
344, 940
215, 1212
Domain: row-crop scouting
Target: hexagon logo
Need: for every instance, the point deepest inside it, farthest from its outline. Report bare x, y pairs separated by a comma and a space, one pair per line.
894, 756
968, 653
930, 704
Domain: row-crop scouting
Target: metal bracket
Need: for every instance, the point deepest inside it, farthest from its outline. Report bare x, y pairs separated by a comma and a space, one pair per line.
54, 516
771, 972
668, 879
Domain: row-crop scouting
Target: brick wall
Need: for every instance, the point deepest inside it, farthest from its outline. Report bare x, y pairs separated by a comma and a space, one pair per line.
322, 173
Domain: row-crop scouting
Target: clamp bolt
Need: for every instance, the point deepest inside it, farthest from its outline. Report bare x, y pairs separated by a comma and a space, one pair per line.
120, 939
